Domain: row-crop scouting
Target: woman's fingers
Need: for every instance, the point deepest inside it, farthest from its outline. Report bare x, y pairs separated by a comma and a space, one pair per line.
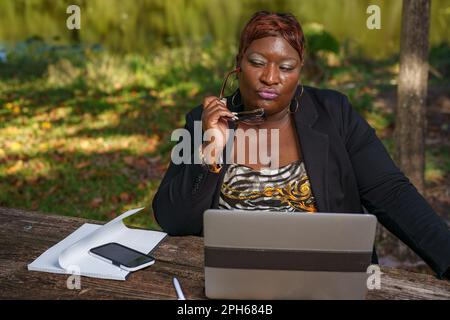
214, 107
218, 113
214, 115
210, 101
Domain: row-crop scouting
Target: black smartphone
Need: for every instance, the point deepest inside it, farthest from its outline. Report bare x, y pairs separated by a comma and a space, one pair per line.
125, 258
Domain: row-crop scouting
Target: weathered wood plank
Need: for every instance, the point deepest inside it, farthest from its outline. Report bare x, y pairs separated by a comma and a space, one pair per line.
399, 284
25, 235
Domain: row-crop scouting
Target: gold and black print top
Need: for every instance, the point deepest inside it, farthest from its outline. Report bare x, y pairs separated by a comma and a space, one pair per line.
283, 189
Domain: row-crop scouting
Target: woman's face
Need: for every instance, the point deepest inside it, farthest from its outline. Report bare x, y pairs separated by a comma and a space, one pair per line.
270, 70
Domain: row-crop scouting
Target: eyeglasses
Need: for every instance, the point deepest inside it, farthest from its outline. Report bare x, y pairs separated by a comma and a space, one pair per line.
252, 117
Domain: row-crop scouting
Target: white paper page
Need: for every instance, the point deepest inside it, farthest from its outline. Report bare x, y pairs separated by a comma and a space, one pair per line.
49, 260
110, 232
73, 251
86, 265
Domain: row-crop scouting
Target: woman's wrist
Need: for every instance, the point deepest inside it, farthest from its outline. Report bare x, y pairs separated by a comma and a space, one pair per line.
210, 158
209, 153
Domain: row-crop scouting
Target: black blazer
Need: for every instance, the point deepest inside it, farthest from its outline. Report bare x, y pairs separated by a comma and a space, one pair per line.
349, 170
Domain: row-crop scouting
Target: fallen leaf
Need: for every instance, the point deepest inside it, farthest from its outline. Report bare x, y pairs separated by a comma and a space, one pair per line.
83, 190
193, 92
140, 164
38, 166
16, 109
15, 146
46, 125
87, 174
83, 164
51, 190
153, 160
18, 183
43, 147
124, 196
141, 186
152, 144
34, 205
129, 160
112, 214
95, 203
16, 167
32, 180
114, 199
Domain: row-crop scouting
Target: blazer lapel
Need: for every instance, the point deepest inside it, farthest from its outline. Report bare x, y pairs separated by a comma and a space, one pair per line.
314, 146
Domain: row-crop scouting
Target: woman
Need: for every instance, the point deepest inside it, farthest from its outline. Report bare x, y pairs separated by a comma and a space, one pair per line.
330, 159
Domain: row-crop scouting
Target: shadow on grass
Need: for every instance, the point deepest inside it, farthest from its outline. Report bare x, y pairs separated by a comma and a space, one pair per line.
96, 186
134, 105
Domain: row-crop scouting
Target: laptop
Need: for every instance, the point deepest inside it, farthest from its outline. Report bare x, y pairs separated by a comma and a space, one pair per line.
284, 255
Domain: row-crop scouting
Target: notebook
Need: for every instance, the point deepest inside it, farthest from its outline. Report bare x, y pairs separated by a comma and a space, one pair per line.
71, 255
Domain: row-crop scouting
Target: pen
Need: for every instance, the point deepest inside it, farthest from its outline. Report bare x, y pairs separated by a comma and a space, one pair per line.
178, 289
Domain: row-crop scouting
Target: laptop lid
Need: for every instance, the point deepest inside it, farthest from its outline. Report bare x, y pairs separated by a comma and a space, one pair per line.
285, 255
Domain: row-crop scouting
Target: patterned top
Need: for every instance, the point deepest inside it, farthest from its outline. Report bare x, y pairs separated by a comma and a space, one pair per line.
283, 189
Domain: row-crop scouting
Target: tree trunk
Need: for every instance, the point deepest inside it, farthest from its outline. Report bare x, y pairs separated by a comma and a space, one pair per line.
410, 125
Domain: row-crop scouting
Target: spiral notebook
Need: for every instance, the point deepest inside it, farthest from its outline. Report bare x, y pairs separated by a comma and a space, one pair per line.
71, 255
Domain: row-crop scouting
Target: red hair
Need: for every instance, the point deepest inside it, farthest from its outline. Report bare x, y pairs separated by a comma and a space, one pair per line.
265, 24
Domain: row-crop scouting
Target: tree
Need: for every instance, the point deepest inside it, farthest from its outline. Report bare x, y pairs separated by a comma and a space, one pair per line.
410, 127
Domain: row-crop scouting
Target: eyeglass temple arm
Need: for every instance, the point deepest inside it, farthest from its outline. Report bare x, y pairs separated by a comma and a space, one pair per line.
225, 81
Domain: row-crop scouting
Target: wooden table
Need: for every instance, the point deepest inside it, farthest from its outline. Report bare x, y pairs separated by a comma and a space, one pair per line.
25, 235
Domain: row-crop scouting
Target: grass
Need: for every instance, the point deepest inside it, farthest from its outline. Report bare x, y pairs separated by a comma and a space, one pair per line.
93, 140
87, 134
437, 166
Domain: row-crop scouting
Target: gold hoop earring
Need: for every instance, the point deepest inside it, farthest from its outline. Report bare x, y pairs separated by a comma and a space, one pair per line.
296, 107
296, 102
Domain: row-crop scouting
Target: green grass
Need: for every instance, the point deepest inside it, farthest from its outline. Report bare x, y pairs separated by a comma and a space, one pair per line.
93, 140
437, 165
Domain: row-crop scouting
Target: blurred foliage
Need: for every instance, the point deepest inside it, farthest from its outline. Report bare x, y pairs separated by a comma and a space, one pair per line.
87, 133
143, 26
319, 39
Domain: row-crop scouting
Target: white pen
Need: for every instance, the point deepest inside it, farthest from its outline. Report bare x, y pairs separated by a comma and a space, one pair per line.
178, 289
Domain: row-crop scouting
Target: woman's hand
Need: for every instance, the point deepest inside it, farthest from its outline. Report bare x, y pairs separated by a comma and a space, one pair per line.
215, 116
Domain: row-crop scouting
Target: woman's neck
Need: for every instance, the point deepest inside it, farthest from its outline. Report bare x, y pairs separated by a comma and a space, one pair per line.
276, 120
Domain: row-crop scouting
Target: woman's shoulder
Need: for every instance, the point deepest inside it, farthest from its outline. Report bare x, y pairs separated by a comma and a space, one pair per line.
333, 102
195, 113
328, 97
336, 106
